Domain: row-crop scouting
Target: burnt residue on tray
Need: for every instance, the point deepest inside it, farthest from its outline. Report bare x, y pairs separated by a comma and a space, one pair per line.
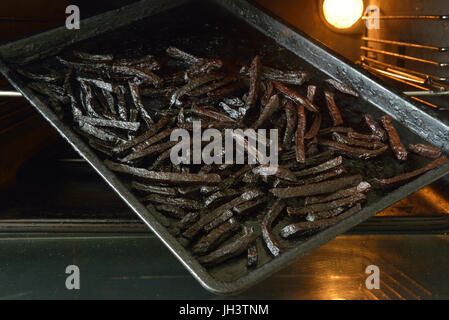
220, 52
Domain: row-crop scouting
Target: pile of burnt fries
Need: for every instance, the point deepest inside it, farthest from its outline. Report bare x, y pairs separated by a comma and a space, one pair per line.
218, 211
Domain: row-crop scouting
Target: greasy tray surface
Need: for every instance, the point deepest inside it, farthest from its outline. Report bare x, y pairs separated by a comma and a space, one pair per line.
207, 31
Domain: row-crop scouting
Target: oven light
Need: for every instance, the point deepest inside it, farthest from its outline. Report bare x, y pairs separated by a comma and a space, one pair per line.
342, 14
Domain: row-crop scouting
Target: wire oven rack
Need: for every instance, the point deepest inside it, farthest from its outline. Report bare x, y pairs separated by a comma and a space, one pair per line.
424, 84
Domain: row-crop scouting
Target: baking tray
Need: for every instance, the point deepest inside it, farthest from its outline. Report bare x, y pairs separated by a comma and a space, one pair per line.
235, 30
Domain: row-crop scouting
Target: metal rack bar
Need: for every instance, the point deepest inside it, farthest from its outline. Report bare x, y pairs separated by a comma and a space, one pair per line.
402, 56
416, 84
426, 93
436, 78
10, 94
407, 44
394, 77
427, 103
420, 17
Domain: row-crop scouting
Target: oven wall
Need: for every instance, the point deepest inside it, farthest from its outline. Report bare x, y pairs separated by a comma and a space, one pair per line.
304, 14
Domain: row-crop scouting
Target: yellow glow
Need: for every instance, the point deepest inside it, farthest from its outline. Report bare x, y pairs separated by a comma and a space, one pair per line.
342, 14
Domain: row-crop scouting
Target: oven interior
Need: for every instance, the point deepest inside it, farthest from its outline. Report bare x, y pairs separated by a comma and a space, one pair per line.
48, 189
51, 184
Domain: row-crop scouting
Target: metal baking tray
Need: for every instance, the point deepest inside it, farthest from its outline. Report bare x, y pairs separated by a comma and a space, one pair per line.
231, 29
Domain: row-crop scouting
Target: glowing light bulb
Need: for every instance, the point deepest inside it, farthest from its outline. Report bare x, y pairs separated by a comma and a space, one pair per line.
342, 14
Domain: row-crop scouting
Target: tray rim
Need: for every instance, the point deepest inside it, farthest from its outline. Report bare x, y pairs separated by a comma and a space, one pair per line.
190, 262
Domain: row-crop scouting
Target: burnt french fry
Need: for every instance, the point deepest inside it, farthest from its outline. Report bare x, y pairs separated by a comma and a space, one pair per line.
138, 103
271, 107
93, 57
425, 150
210, 217
180, 202
254, 84
267, 94
404, 177
252, 256
210, 124
364, 137
166, 191
109, 100
228, 251
315, 179
311, 161
188, 220
98, 83
290, 77
157, 92
312, 147
211, 87
248, 206
313, 131
352, 152
216, 236
206, 66
395, 142
220, 195
243, 143
311, 92
165, 121
312, 226
171, 210
291, 118
375, 128
334, 112
211, 114
280, 125
224, 216
151, 150
232, 112
147, 62
193, 84
324, 214
300, 132
101, 147
270, 240
363, 187
98, 133
226, 91
89, 102
279, 172
234, 101
182, 55
160, 160
152, 140
342, 87
320, 168
121, 103
164, 177
132, 126
357, 143
316, 188
141, 73
43, 77
226, 183
188, 190
85, 65
344, 202
329, 130
295, 97
76, 109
